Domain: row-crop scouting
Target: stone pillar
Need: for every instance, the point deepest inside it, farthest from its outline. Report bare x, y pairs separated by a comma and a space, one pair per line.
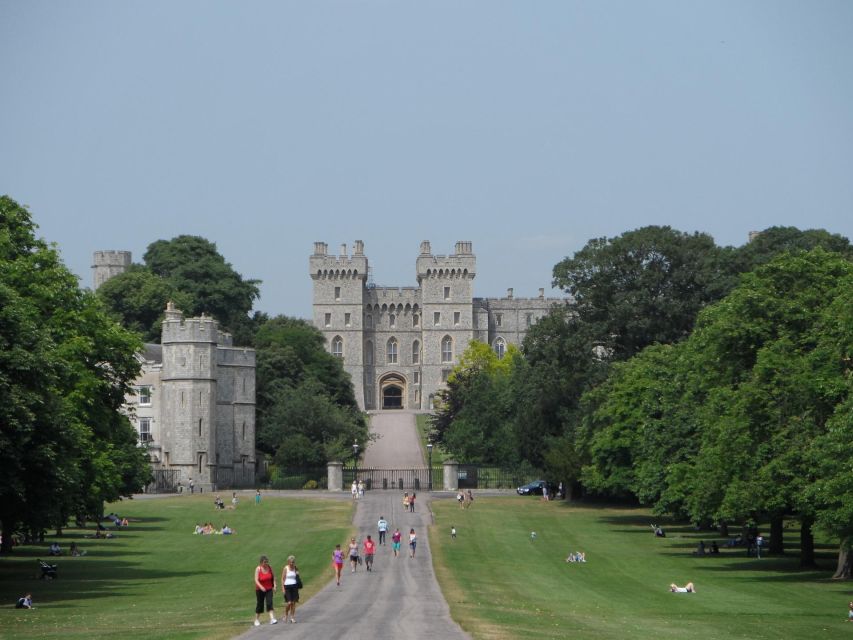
335, 476
451, 475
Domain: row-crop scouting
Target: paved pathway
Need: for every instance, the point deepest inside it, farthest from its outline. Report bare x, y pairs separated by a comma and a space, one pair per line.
400, 598
397, 446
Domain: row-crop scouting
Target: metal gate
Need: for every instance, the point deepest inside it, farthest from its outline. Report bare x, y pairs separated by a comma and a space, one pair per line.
417, 479
165, 481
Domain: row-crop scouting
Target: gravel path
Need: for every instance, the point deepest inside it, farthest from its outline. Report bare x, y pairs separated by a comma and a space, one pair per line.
400, 598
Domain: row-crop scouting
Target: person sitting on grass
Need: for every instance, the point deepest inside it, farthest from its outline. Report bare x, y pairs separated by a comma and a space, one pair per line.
25, 602
577, 556
55, 549
688, 588
75, 551
714, 547
226, 530
850, 612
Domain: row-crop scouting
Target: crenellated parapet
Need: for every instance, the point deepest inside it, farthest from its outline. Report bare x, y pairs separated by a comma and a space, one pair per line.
338, 267
461, 264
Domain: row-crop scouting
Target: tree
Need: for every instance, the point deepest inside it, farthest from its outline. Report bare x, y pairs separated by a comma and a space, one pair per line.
189, 271
645, 286
65, 367
774, 241
307, 413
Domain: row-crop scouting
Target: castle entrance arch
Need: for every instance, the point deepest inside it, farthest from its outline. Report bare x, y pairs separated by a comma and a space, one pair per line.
392, 390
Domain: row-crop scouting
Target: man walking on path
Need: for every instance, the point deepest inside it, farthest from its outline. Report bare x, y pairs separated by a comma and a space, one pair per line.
383, 529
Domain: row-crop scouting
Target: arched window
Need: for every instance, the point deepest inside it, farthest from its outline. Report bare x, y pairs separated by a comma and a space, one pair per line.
392, 321
447, 349
500, 347
338, 347
368, 321
368, 352
416, 352
392, 351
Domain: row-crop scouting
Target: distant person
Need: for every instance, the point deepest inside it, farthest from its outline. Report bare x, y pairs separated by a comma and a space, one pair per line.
700, 549
192, 486
460, 498
290, 587
545, 492
658, 531
369, 550
75, 551
354, 490
452, 532
382, 525
226, 530
850, 612
406, 501
714, 547
413, 542
25, 602
338, 562
395, 542
234, 499
469, 499
353, 554
55, 549
257, 497
688, 588
412, 502
577, 556
264, 590
361, 488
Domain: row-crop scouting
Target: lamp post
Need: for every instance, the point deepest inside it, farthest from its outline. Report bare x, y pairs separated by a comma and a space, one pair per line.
355, 460
429, 455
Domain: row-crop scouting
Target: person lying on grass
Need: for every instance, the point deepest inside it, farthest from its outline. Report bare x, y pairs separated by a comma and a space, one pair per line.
688, 588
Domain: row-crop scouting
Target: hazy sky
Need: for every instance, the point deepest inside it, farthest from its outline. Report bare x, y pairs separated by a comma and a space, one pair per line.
525, 127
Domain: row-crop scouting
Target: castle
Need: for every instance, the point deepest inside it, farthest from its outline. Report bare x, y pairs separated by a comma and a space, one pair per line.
194, 401
399, 344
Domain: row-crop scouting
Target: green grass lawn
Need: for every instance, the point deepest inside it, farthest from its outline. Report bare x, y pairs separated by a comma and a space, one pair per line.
157, 579
500, 583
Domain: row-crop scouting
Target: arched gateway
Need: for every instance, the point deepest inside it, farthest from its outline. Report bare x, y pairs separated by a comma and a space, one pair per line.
392, 389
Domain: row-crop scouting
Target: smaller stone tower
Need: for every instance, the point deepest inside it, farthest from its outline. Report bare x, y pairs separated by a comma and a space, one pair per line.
107, 264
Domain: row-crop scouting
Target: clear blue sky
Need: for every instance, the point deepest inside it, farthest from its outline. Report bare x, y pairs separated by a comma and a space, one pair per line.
525, 127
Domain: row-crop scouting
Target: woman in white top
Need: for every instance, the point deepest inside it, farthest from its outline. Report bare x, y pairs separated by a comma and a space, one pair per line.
290, 588
413, 542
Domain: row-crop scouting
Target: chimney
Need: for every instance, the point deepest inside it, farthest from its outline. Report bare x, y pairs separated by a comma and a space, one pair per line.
541, 292
359, 248
344, 250
509, 293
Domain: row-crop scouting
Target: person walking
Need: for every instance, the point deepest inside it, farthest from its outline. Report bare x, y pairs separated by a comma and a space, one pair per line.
369, 550
354, 490
290, 584
413, 542
406, 501
353, 554
338, 562
264, 590
412, 503
257, 497
382, 525
361, 488
395, 541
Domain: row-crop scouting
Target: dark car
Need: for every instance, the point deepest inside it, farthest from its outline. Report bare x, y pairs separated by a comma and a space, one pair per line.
532, 488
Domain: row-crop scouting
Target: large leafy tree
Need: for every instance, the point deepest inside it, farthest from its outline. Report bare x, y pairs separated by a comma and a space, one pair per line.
645, 286
306, 408
190, 271
65, 367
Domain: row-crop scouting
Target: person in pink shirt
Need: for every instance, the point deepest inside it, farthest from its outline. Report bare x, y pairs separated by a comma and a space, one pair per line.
369, 550
395, 541
338, 562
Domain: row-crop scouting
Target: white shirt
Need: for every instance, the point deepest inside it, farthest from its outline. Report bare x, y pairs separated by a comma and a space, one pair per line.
289, 577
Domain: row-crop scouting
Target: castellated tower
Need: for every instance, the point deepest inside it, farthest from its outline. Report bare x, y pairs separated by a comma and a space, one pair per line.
447, 287
107, 264
189, 397
339, 291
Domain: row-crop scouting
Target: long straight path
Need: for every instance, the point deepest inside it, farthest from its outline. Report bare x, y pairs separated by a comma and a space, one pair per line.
397, 445
400, 598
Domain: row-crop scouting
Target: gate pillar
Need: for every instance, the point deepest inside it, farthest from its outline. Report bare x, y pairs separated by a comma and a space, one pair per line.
451, 475
335, 476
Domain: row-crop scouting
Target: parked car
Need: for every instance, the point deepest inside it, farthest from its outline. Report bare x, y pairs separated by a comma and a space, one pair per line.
531, 488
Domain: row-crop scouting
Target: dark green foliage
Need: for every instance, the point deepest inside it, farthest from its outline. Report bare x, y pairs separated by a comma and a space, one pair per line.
65, 368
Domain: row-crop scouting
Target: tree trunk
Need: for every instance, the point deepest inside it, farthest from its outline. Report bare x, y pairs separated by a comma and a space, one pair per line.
843, 570
806, 543
724, 529
6, 547
777, 542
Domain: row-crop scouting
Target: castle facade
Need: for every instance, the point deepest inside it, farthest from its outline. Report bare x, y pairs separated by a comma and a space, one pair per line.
399, 344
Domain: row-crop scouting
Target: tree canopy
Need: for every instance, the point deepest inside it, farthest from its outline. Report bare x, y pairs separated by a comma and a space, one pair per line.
65, 367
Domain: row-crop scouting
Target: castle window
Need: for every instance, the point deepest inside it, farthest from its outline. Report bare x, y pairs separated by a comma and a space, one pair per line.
436, 318
348, 319
144, 395
337, 293
417, 396
445, 374
392, 351
200, 461
416, 352
244, 434
368, 320
416, 377
145, 430
368, 352
500, 347
456, 318
447, 293
338, 347
199, 427
327, 320
529, 319
392, 321
499, 319
447, 349
416, 320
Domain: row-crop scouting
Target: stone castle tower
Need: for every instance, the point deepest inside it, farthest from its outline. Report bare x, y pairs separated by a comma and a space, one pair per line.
399, 344
108, 264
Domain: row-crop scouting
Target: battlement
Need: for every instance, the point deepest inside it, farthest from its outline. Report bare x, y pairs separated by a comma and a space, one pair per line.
393, 295
108, 264
325, 266
235, 356
176, 328
461, 264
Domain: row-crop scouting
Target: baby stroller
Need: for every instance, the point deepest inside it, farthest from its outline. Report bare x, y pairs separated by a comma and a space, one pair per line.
48, 571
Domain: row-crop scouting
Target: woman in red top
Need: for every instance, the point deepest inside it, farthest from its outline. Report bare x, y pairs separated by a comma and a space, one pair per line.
264, 590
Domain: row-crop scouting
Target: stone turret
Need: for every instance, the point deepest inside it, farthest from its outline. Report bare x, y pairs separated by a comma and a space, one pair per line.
108, 264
